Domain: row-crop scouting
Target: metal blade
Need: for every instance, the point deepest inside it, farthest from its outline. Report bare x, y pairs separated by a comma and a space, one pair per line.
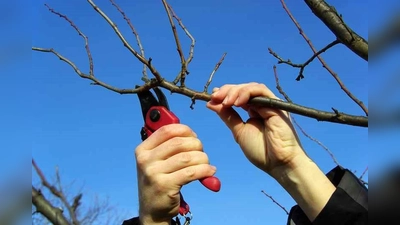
161, 97
147, 100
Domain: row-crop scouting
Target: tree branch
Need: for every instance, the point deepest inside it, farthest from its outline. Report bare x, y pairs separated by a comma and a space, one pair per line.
303, 65
56, 192
213, 72
324, 64
44, 207
136, 34
330, 17
335, 116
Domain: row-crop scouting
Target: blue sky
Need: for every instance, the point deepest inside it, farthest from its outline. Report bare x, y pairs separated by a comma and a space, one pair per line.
90, 133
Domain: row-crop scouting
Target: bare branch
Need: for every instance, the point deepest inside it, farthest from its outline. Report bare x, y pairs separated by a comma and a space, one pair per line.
324, 64
316, 141
125, 42
91, 72
335, 116
274, 201
178, 44
191, 49
213, 72
303, 65
56, 192
278, 86
330, 17
138, 41
44, 207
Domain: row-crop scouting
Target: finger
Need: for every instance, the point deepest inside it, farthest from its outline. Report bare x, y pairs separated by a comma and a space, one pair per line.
175, 146
230, 117
192, 173
239, 95
247, 92
165, 133
219, 94
183, 160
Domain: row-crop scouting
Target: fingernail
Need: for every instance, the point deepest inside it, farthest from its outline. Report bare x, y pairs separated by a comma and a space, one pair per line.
213, 167
194, 134
215, 89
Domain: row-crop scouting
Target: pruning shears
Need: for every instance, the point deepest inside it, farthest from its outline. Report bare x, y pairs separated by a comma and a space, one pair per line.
156, 113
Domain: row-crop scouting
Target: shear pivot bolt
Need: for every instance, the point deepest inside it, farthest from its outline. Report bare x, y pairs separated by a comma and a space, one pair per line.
155, 115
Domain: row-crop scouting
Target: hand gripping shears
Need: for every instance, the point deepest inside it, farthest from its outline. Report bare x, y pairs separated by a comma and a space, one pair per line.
156, 114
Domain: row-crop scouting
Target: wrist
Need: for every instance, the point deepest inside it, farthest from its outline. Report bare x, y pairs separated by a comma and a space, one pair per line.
307, 184
147, 219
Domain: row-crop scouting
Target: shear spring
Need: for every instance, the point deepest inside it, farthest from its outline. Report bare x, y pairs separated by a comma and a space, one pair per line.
188, 218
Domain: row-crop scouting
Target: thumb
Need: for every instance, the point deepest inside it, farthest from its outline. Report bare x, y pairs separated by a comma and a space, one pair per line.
230, 117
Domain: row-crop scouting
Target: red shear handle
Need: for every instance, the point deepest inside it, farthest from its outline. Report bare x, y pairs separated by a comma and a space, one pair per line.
159, 116
211, 183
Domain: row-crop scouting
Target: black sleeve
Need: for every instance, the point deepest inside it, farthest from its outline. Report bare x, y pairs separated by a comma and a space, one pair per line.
136, 221
347, 205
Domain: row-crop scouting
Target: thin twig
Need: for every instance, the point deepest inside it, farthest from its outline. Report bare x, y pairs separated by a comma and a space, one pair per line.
316, 141
274, 201
306, 63
138, 41
278, 86
192, 44
324, 64
91, 72
213, 72
178, 44
125, 42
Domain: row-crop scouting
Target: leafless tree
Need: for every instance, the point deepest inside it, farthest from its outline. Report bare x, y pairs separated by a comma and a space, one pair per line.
52, 204
326, 13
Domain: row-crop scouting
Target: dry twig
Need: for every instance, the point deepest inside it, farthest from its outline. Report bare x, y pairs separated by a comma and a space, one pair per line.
136, 34
213, 72
274, 201
303, 65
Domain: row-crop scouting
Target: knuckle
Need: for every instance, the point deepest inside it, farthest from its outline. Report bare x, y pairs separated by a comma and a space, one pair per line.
150, 171
197, 144
174, 129
261, 85
185, 157
141, 158
190, 172
176, 142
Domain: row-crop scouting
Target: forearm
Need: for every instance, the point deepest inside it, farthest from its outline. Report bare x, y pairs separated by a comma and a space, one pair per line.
307, 184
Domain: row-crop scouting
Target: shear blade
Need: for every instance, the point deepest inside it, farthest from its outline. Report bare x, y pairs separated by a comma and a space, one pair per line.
147, 100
